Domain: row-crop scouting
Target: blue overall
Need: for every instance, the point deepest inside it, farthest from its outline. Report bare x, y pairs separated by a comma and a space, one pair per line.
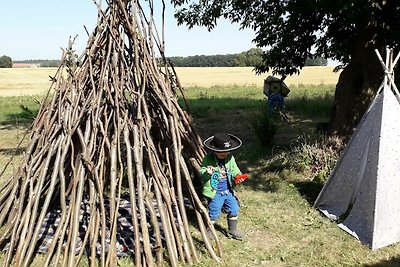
224, 198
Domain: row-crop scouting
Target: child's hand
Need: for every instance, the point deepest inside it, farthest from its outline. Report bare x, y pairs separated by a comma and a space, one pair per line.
210, 170
241, 177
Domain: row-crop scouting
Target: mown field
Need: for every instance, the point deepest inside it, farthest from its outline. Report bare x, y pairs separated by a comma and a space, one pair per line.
276, 203
32, 81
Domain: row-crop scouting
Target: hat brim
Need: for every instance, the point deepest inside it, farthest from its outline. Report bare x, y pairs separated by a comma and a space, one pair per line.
235, 141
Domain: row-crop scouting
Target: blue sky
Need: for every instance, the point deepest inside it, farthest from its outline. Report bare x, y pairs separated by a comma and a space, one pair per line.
38, 29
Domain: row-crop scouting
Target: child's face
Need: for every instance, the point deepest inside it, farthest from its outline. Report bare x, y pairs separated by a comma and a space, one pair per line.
221, 155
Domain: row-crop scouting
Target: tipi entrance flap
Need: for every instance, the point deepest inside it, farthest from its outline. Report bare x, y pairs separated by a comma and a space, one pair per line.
373, 207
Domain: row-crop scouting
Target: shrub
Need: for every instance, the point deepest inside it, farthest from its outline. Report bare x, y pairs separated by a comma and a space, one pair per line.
318, 156
264, 126
313, 157
5, 62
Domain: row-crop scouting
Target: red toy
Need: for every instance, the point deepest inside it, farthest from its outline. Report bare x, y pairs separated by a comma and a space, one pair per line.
241, 177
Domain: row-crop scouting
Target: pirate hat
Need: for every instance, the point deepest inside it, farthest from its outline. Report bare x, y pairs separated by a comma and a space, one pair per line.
222, 142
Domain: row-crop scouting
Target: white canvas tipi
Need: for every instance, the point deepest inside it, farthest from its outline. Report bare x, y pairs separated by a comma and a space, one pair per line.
363, 191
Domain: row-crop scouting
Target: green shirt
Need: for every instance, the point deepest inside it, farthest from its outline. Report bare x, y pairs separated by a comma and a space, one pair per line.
231, 169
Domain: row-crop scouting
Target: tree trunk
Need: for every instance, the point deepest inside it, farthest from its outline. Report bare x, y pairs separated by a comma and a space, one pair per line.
355, 90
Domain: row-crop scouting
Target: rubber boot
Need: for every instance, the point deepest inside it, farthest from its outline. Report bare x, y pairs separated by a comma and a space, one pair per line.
233, 231
209, 232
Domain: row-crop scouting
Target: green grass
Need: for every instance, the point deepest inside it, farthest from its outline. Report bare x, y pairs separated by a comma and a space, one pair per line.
307, 101
282, 227
311, 101
276, 203
22, 109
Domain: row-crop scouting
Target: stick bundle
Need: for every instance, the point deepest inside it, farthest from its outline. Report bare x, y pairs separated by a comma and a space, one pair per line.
113, 125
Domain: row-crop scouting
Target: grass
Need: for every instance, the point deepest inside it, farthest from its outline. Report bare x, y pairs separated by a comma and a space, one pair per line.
276, 203
16, 114
16, 110
282, 227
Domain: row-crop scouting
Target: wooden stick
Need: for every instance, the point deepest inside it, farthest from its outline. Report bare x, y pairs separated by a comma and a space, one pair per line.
113, 121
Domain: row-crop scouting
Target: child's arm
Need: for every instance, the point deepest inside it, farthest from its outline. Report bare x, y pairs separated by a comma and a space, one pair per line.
234, 168
238, 176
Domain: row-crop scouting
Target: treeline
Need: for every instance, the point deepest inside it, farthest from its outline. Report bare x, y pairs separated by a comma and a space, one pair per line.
248, 58
41, 62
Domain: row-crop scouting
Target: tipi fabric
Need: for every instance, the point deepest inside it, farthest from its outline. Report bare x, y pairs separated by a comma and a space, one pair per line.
363, 191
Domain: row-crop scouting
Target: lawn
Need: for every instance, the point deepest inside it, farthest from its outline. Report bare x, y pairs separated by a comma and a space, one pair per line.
282, 227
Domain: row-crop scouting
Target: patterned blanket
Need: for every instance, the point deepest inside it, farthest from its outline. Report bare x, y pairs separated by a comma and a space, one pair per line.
125, 232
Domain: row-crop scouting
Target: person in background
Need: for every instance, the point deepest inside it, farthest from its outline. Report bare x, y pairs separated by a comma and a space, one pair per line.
220, 174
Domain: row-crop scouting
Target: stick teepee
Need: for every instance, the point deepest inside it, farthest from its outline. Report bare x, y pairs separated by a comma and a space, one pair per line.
110, 126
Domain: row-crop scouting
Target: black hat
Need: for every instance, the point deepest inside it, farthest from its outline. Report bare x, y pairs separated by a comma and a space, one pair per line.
222, 142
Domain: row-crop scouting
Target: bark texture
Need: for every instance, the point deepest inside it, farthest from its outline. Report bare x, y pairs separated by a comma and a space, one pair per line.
355, 90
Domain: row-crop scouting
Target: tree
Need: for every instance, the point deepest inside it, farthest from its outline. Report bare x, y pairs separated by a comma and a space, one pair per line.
5, 62
252, 57
292, 31
50, 63
319, 61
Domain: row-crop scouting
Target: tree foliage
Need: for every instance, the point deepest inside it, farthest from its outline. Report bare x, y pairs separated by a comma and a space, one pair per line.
319, 61
50, 63
250, 58
294, 30
205, 61
5, 62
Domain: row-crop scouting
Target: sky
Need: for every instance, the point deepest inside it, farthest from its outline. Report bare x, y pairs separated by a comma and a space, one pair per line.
39, 29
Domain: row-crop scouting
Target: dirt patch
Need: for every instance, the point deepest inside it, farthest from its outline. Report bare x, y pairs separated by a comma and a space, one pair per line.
262, 240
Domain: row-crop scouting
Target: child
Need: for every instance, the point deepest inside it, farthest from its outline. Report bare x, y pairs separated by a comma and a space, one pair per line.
219, 171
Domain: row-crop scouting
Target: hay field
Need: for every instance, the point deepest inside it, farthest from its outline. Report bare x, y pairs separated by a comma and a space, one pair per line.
207, 77
34, 81
25, 81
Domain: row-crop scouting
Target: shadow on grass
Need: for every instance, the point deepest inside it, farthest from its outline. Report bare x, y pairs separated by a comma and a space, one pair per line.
11, 125
273, 167
12, 151
309, 190
18, 110
203, 107
393, 262
25, 117
258, 182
